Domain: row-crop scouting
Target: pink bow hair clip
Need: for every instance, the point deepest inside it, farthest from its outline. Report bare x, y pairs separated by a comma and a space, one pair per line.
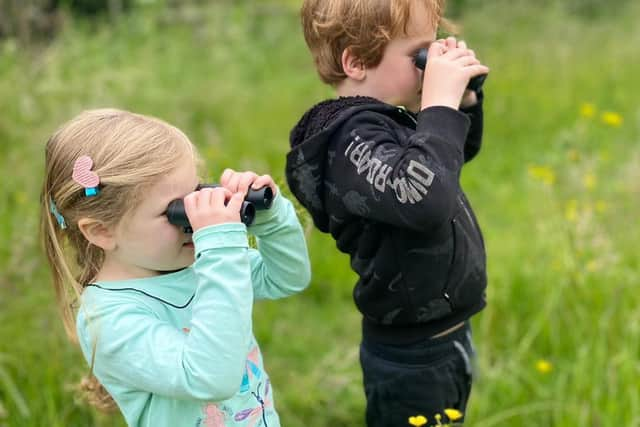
83, 175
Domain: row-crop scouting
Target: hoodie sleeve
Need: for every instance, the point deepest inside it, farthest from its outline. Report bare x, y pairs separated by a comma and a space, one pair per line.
474, 138
389, 173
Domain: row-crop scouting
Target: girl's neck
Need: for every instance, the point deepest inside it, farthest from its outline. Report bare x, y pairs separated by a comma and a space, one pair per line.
113, 271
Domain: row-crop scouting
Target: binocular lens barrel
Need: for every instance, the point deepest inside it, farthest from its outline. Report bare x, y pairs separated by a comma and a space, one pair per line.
420, 59
256, 199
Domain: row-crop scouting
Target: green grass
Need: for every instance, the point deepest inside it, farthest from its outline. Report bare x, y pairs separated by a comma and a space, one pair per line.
563, 257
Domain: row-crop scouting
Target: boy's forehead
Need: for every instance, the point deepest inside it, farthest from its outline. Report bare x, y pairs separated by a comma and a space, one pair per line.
421, 23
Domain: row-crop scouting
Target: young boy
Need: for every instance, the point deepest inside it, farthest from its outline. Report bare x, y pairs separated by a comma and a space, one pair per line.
379, 169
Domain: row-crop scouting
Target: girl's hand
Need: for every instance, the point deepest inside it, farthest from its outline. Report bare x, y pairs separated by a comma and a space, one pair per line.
211, 206
240, 182
450, 67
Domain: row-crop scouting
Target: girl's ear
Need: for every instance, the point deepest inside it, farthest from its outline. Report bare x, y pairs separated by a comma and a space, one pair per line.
98, 233
353, 66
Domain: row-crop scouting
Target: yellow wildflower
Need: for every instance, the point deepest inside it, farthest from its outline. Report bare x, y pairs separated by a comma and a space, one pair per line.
587, 110
418, 420
544, 366
601, 206
571, 210
612, 119
543, 173
589, 181
453, 414
592, 266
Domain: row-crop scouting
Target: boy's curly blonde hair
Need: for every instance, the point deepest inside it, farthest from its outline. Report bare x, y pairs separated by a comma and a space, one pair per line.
364, 26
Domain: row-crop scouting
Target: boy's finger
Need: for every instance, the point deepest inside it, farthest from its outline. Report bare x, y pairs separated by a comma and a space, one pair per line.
451, 42
436, 49
479, 69
457, 53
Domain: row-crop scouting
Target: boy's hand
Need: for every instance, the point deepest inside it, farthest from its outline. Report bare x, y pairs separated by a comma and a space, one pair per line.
450, 67
240, 182
469, 97
211, 206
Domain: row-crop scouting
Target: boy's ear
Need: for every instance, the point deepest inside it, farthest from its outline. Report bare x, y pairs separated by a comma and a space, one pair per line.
353, 66
98, 233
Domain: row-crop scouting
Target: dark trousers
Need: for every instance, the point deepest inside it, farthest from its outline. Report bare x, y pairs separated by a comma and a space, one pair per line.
417, 379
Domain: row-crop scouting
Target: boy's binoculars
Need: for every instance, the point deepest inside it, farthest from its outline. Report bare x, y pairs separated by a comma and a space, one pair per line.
254, 200
420, 59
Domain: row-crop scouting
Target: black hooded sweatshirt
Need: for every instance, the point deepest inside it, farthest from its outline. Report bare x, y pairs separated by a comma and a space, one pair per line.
386, 184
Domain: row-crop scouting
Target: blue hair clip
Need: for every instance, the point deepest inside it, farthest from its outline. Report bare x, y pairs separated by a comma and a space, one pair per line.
54, 210
93, 191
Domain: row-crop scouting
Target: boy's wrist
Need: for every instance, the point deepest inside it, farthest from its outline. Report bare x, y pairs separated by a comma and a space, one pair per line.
469, 99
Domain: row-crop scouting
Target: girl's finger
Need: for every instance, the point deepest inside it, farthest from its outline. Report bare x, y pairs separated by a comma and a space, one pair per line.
265, 181
232, 182
226, 175
246, 179
261, 181
190, 201
235, 202
218, 196
204, 197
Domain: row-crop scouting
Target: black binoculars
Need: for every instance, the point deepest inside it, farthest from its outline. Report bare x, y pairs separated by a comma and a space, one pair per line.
420, 59
260, 199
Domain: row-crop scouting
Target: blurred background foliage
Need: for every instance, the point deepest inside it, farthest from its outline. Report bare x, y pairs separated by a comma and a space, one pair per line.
556, 189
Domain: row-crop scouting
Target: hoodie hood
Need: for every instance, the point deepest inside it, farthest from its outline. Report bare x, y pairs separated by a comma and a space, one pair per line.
309, 140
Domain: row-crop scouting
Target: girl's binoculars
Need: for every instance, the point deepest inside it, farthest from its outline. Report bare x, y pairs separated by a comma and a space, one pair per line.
254, 200
420, 59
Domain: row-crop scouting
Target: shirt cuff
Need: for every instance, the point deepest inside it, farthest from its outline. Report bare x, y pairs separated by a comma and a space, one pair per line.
227, 235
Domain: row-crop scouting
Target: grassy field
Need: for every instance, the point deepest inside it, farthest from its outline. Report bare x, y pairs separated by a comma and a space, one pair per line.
556, 189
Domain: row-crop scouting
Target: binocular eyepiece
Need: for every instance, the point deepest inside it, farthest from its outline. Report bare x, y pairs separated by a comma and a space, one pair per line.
420, 59
260, 199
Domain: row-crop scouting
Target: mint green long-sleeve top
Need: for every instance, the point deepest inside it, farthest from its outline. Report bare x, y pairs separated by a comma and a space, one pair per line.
178, 349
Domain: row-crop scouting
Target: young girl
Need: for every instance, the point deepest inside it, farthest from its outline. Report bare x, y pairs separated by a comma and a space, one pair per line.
164, 316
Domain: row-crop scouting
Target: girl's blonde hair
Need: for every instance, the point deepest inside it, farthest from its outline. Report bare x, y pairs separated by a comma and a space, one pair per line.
364, 26
130, 152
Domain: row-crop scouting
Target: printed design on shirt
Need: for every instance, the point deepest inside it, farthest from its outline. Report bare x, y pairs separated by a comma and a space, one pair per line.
213, 416
256, 417
410, 185
252, 370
